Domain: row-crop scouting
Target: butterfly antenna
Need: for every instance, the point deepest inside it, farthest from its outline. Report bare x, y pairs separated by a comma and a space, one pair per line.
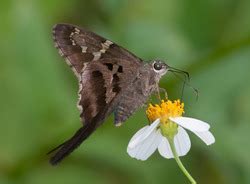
185, 73
186, 81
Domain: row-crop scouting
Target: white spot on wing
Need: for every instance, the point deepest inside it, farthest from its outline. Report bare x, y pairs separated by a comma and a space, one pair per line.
82, 80
102, 50
108, 42
84, 66
79, 97
60, 52
71, 34
105, 47
97, 55
84, 49
77, 31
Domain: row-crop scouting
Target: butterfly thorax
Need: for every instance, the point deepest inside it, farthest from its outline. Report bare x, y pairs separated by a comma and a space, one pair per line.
137, 93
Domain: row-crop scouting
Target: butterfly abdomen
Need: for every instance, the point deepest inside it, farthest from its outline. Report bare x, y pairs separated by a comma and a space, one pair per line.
128, 105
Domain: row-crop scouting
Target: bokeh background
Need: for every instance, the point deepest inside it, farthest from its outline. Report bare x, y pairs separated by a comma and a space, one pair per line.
38, 91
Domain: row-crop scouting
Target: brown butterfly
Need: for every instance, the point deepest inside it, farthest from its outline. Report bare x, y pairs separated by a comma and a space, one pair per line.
111, 80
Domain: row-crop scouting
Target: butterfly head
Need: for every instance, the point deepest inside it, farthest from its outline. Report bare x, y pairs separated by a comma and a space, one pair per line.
160, 67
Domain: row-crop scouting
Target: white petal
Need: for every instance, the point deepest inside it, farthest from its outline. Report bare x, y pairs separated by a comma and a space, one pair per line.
137, 136
164, 148
146, 148
206, 137
191, 124
182, 142
143, 133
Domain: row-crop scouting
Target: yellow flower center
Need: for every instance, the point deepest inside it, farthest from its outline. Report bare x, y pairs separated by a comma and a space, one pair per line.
165, 110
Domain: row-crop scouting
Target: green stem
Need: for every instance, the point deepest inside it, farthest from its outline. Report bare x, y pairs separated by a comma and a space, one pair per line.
184, 170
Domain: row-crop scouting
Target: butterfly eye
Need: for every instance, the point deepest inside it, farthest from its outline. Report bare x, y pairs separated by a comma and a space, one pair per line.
157, 66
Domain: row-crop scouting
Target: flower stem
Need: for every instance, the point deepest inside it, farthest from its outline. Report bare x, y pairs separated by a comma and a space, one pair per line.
177, 159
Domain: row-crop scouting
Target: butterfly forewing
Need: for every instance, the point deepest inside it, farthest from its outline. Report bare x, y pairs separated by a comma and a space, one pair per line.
102, 67
80, 46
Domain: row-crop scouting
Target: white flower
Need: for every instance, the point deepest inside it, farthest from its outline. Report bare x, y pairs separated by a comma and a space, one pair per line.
144, 143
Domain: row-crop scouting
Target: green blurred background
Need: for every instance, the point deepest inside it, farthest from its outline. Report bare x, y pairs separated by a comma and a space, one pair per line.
38, 91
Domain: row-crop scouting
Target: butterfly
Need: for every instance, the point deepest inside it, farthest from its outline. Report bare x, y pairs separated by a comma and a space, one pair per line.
111, 80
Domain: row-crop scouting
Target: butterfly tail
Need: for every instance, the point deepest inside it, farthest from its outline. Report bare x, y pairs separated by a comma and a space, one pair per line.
70, 145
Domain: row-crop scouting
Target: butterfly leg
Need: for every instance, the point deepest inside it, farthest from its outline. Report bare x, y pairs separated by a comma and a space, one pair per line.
159, 93
161, 90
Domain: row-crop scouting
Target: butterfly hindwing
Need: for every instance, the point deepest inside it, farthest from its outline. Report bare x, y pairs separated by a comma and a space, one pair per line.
104, 81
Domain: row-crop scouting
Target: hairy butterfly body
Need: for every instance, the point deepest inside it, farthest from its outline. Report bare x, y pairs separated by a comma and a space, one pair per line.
111, 80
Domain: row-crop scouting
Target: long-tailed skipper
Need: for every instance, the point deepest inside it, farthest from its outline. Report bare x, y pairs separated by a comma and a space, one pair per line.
111, 80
